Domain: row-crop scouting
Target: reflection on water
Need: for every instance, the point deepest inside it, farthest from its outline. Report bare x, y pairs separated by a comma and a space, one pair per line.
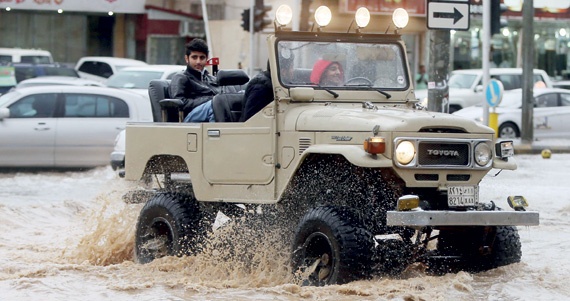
68, 235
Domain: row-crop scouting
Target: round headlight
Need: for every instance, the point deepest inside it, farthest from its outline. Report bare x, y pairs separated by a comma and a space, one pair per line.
362, 17
323, 16
284, 15
405, 152
400, 18
482, 154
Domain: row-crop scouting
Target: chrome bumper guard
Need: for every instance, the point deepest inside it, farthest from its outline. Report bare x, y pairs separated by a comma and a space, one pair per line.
462, 218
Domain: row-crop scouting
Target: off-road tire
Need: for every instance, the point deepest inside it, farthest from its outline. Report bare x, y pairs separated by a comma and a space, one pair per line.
464, 250
169, 225
336, 236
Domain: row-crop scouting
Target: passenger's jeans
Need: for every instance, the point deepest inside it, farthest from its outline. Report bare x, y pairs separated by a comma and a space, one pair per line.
201, 113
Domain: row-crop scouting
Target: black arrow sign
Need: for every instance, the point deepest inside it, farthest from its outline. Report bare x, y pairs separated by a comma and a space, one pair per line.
456, 15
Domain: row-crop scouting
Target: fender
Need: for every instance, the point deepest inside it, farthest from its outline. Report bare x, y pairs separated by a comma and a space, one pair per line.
355, 154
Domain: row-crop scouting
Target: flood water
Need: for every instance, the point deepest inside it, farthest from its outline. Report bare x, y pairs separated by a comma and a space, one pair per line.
67, 235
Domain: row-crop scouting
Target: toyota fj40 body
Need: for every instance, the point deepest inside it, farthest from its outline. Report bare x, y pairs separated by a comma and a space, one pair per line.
361, 177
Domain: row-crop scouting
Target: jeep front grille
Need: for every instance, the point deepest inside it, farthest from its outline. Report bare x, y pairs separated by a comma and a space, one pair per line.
436, 153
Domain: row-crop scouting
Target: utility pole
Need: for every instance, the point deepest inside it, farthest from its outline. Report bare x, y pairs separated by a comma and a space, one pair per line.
486, 54
252, 47
528, 66
438, 90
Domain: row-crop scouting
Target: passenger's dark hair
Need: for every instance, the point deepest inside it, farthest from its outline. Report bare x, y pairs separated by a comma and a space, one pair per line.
197, 45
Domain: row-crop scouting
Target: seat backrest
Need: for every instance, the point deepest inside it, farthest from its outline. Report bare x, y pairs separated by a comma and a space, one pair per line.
228, 105
302, 76
158, 89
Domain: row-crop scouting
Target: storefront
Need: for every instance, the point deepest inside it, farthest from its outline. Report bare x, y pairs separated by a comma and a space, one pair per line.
121, 28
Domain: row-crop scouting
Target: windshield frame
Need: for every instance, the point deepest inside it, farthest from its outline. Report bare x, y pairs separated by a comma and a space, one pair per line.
394, 41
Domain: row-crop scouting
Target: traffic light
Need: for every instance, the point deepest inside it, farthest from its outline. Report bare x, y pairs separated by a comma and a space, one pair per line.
245, 19
261, 20
497, 8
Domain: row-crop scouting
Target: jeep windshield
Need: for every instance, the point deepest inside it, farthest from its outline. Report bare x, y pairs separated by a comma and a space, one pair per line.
342, 65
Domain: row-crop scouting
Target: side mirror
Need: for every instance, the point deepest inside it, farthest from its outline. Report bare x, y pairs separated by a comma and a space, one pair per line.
479, 89
302, 94
4, 113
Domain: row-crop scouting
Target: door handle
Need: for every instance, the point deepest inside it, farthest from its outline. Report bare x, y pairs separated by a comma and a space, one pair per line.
213, 133
42, 127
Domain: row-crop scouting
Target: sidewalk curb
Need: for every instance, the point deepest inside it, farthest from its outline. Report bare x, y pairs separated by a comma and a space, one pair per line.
521, 149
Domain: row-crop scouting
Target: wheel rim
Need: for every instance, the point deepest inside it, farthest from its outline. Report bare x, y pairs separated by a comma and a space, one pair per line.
157, 240
318, 258
508, 132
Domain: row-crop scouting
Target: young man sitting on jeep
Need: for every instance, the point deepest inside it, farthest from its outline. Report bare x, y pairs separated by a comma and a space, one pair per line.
195, 87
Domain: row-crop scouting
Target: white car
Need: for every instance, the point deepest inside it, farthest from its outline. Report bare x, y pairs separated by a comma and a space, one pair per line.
551, 113
65, 126
100, 68
57, 80
22, 55
466, 86
138, 78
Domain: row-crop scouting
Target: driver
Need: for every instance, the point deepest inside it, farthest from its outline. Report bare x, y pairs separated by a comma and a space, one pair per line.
327, 73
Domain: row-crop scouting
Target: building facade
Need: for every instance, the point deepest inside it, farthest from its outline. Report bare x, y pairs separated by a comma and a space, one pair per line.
155, 31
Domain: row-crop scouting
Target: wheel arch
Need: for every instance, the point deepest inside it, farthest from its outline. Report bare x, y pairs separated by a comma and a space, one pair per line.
353, 154
164, 164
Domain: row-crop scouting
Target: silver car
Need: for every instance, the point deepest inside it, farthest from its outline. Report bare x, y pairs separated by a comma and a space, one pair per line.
551, 113
65, 126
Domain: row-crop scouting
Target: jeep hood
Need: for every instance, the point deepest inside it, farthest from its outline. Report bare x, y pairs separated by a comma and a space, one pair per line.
337, 119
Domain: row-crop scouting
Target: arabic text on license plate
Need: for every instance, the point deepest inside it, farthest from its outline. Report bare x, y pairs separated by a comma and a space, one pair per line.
458, 196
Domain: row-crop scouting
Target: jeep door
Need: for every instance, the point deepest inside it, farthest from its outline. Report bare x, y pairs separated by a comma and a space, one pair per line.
239, 153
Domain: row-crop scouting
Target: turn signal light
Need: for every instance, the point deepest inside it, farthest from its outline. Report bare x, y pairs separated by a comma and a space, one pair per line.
408, 202
375, 145
517, 202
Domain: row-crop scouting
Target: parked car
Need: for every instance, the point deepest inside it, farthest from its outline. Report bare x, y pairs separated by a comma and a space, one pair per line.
563, 84
100, 68
551, 113
466, 86
65, 126
138, 78
21, 55
12, 74
57, 80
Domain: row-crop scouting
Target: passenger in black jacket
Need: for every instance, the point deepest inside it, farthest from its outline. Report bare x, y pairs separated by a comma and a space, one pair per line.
258, 94
259, 90
195, 87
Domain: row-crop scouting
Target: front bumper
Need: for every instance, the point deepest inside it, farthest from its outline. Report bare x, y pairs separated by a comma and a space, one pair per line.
462, 218
118, 160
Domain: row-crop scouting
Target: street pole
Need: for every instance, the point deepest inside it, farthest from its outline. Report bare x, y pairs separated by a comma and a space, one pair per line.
486, 54
207, 27
251, 37
438, 90
528, 66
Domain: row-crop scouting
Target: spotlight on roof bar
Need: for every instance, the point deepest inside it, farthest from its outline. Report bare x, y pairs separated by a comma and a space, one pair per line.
400, 18
283, 15
362, 17
323, 16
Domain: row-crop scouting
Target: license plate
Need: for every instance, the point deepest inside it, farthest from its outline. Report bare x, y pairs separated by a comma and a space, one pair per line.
461, 196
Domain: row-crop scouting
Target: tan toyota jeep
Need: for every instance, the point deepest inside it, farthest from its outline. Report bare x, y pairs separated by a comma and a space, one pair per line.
359, 178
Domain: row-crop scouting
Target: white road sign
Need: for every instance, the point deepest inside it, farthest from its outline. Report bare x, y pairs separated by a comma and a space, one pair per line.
448, 15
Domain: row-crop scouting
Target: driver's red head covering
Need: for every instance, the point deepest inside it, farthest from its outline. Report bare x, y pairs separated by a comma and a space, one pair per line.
319, 68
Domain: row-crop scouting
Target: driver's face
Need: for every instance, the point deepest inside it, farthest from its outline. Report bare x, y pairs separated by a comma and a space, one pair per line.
332, 76
196, 60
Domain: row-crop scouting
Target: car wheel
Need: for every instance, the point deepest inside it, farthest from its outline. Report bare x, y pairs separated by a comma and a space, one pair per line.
168, 225
331, 247
509, 130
